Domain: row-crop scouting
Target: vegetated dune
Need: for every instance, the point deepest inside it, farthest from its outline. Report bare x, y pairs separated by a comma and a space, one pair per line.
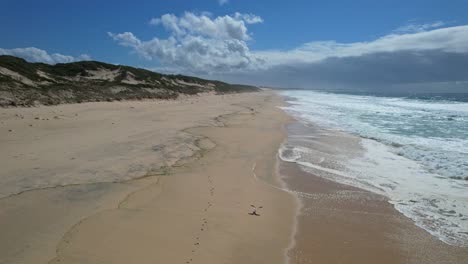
28, 84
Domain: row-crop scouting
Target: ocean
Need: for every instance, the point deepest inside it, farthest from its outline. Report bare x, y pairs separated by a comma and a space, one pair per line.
412, 149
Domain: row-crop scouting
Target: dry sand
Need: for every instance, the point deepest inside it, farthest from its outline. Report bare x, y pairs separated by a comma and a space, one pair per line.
68, 194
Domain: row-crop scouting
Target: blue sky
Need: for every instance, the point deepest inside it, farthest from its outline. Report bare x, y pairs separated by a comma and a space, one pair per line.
72, 28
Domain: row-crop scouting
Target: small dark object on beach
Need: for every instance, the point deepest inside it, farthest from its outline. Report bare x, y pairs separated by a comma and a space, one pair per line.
254, 210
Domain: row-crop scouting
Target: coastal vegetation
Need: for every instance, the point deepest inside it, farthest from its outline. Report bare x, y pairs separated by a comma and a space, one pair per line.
27, 84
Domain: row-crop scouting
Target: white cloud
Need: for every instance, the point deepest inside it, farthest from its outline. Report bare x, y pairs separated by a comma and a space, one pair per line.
248, 18
198, 42
223, 2
427, 61
414, 28
33, 54
451, 39
205, 44
126, 39
221, 27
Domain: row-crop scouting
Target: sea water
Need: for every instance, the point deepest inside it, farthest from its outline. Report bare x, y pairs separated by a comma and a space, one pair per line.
415, 152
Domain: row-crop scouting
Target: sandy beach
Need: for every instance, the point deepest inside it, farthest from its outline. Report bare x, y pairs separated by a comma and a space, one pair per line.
144, 182
174, 181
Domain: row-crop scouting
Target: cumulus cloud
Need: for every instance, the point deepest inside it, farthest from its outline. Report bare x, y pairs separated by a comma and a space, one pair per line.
33, 54
424, 55
198, 43
248, 18
221, 27
126, 39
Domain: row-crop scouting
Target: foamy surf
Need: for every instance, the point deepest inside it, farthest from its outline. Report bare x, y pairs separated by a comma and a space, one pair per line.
428, 190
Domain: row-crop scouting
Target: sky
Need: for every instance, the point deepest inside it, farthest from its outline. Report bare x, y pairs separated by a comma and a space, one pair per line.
392, 45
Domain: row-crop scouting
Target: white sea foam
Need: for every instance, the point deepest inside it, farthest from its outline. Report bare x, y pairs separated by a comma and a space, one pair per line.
413, 150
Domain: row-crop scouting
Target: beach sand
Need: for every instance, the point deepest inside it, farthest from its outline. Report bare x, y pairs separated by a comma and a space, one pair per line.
174, 181
144, 182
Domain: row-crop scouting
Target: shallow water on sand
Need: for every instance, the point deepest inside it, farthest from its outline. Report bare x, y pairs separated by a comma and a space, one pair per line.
411, 151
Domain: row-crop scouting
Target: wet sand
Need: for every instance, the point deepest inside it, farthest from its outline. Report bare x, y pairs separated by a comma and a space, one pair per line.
342, 224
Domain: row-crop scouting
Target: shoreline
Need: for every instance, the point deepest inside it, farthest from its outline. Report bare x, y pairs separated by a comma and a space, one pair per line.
399, 152
331, 212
